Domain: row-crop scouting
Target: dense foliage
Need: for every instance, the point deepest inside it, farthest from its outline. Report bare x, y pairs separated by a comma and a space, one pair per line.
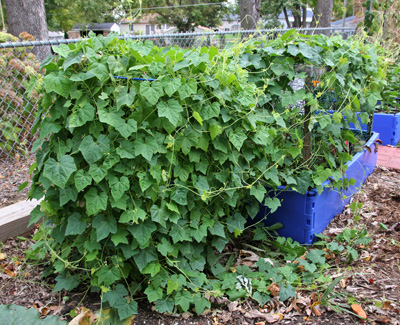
145, 181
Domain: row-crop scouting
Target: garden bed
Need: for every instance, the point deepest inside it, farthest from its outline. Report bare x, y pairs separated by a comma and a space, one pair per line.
304, 216
372, 280
388, 127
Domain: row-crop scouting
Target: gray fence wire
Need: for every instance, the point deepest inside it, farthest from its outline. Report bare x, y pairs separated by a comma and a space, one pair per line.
19, 65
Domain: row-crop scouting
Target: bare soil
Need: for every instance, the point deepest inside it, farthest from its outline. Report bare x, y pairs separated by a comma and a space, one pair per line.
373, 281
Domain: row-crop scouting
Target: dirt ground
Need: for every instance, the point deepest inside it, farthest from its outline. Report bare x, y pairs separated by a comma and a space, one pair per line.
12, 175
373, 281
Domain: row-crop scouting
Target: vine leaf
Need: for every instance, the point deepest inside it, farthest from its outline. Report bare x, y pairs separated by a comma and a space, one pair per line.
118, 186
151, 92
145, 148
237, 138
170, 86
171, 110
95, 202
104, 226
142, 232
82, 180
91, 151
76, 225
81, 116
258, 192
59, 172
108, 275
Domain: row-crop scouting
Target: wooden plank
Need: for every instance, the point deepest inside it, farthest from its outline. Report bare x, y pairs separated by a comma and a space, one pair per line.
14, 219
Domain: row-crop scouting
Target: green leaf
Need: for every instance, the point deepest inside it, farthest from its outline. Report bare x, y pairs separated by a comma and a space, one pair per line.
82, 180
100, 71
126, 96
126, 309
120, 237
198, 118
151, 92
165, 305
90, 150
171, 110
316, 256
14, 314
134, 216
152, 268
66, 281
200, 303
170, 86
144, 257
286, 291
142, 232
59, 172
146, 148
95, 202
258, 191
209, 111
58, 83
179, 195
187, 89
71, 59
215, 130
237, 138
153, 293
97, 172
237, 221
68, 194
272, 203
126, 129
104, 226
183, 299
113, 296
36, 215
76, 225
108, 275
118, 186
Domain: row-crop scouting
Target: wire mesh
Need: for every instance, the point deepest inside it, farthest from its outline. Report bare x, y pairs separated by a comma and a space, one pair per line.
19, 68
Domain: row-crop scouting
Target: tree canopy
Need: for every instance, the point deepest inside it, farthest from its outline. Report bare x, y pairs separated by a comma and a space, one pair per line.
184, 16
65, 14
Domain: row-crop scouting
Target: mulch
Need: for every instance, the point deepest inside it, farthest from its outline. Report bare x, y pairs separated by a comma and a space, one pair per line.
373, 281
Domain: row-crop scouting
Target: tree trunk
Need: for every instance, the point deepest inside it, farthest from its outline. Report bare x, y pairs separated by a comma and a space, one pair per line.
323, 15
28, 16
249, 14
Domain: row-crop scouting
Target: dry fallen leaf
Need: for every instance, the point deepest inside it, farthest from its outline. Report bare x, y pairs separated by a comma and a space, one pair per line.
359, 311
2, 256
269, 318
274, 289
316, 311
9, 273
85, 318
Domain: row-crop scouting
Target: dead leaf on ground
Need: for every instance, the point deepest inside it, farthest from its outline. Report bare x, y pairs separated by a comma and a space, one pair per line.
2, 256
85, 318
359, 311
269, 318
274, 289
9, 273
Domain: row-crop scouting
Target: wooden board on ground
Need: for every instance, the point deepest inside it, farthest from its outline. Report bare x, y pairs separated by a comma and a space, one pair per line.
14, 219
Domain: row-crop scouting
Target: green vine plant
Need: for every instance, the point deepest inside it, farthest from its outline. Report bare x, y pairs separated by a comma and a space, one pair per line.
147, 177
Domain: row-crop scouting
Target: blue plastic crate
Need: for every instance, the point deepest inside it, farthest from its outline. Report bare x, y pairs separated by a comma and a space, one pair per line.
388, 127
305, 215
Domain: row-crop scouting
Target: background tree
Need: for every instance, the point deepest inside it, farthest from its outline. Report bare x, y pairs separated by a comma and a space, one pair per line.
26, 16
249, 13
323, 15
65, 14
177, 13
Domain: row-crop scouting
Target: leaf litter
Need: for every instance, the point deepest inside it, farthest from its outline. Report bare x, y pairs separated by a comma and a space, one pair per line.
369, 288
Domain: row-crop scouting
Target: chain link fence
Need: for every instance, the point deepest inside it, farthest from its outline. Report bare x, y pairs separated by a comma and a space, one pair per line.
19, 71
